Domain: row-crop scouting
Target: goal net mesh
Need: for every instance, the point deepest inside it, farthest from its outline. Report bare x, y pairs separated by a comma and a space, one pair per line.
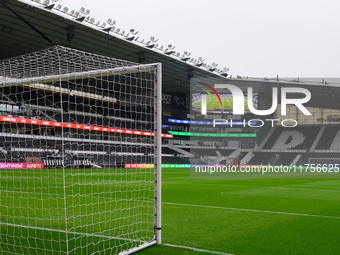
71, 122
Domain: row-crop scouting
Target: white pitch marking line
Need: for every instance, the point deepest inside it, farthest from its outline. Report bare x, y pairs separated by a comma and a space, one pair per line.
264, 187
69, 232
242, 209
110, 237
257, 186
254, 210
326, 190
195, 249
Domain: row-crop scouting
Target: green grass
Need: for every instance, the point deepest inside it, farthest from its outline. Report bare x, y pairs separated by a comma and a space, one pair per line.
236, 216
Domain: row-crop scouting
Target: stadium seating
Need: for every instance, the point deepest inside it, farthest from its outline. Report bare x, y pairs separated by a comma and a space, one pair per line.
273, 158
175, 160
295, 138
330, 139
320, 158
208, 151
18, 148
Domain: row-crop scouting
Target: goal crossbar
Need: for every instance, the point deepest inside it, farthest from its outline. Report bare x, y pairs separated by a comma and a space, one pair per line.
7, 81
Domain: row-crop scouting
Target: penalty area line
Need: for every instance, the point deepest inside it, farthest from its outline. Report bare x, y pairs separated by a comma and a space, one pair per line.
110, 237
195, 249
70, 232
254, 210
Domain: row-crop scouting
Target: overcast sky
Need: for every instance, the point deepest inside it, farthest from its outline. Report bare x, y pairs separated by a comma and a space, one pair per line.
257, 38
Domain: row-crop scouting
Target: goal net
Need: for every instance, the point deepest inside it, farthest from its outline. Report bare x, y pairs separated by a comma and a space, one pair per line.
79, 154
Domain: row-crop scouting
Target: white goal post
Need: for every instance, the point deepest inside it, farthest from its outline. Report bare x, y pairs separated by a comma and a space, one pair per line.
80, 154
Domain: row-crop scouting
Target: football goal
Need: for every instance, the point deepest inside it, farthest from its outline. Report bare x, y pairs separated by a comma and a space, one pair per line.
80, 154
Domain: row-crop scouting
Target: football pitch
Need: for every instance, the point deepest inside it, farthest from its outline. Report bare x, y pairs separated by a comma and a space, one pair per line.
199, 216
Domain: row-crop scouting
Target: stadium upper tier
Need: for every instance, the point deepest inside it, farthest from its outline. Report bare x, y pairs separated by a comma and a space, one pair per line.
76, 112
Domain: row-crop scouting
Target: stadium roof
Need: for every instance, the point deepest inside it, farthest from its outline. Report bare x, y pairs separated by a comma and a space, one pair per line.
77, 30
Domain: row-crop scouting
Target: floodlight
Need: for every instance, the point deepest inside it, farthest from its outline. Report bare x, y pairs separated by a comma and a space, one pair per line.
170, 50
48, 5
185, 56
200, 61
131, 35
224, 71
80, 19
151, 43
110, 23
213, 67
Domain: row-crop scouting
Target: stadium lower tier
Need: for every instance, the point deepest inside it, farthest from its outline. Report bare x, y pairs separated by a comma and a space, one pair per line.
288, 158
272, 158
56, 151
303, 138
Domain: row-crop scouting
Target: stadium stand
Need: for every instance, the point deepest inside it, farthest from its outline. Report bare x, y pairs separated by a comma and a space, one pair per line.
330, 139
175, 160
295, 138
272, 158
322, 158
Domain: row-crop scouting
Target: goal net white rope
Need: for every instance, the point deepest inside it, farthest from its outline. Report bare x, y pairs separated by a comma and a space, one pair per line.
79, 154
